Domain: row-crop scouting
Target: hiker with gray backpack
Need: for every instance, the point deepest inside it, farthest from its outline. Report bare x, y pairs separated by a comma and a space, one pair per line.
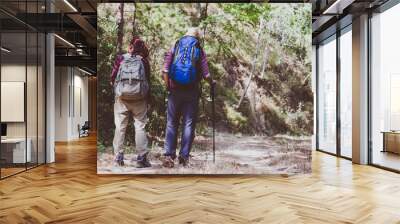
185, 65
130, 78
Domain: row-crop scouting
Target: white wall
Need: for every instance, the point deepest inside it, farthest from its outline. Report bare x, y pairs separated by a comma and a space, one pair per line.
33, 126
12, 73
61, 103
71, 87
81, 82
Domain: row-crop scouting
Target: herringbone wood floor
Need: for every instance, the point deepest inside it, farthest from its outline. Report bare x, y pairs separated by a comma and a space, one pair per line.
69, 191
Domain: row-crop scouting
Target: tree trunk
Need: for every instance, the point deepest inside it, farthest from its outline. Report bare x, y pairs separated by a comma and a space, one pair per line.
257, 112
120, 28
252, 88
134, 31
265, 59
200, 14
204, 16
253, 66
197, 15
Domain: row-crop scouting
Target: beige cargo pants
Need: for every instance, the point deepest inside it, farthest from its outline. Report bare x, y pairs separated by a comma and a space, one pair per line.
138, 109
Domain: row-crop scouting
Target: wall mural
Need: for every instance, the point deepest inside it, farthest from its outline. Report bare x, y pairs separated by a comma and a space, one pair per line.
204, 88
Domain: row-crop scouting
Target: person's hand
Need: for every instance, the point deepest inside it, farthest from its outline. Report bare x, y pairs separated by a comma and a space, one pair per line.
166, 79
111, 84
150, 101
213, 82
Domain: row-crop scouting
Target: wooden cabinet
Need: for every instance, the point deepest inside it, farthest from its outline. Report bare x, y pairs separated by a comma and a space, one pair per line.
391, 142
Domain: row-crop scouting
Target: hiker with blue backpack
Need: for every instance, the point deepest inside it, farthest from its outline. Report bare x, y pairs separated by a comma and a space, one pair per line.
130, 78
185, 65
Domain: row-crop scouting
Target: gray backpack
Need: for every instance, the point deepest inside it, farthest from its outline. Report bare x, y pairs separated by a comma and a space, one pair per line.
131, 82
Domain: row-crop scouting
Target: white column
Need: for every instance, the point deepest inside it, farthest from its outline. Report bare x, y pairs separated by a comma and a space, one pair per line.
360, 90
50, 94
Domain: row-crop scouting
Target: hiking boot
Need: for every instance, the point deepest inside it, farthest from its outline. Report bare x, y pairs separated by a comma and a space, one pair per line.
183, 161
168, 162
143, 162
119, 159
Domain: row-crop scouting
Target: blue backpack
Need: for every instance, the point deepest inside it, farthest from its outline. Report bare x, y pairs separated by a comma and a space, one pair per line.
184, 69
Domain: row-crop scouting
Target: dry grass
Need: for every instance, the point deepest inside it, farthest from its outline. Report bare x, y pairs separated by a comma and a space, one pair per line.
234, 155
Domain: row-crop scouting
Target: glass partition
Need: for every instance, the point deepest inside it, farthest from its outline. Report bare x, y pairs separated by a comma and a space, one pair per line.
346, 93
327, 95
385, 89
13, 95
22, 87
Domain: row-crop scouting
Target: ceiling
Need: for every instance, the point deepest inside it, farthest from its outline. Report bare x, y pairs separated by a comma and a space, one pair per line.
75, 23
332, 15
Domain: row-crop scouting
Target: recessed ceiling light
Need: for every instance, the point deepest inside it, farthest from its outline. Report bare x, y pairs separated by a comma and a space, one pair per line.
338, 6
64, 40
5, 50
84, 71
70, 5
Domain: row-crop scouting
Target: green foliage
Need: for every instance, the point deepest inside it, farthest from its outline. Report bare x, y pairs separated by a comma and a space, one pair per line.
250, 13
230, 43
235, 119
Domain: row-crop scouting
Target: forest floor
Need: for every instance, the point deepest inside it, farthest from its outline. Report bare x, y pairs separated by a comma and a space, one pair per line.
235, 154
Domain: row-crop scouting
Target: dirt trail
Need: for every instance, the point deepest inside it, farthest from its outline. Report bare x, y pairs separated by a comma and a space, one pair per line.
234, 155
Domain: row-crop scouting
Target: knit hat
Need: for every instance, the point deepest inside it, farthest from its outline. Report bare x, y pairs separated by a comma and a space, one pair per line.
139, 47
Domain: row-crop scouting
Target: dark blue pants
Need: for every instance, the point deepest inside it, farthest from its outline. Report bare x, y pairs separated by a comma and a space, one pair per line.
181, 104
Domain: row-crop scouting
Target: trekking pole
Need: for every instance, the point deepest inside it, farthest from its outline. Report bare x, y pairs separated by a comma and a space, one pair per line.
212, 89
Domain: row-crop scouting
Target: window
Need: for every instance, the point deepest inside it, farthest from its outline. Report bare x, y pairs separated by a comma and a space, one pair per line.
346, 92
385, 89
327, 96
